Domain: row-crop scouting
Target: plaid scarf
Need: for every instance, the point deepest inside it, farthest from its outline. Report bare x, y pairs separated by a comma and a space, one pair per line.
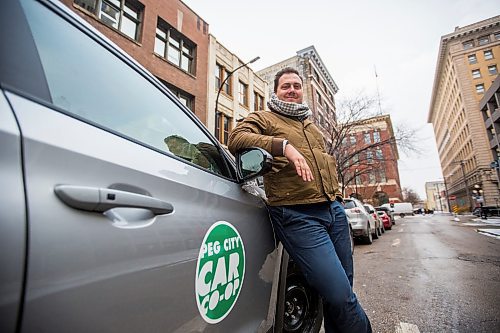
294, 110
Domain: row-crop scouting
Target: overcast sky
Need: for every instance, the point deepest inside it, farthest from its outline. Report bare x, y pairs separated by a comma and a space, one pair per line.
400, 38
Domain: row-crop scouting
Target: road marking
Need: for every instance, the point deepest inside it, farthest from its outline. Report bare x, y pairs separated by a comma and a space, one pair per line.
396, 242
407, 328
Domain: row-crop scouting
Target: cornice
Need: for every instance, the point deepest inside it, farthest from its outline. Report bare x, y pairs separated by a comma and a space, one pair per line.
311, 53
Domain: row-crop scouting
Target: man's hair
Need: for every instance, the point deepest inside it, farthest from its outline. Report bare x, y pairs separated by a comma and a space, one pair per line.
286, 70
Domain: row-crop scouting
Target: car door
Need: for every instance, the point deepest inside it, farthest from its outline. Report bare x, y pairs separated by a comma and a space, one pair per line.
136, 220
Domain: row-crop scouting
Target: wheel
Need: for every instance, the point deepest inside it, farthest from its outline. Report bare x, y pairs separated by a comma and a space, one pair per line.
376, 233
368, 237
303, 308
383, 228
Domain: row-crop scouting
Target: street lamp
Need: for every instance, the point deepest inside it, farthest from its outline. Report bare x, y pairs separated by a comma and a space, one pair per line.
224, 81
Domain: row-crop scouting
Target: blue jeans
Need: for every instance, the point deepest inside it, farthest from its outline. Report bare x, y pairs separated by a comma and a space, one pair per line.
317, 238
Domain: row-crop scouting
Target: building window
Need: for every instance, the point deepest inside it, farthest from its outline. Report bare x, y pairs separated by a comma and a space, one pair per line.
488, 54
376, 136
369, 156
468, 44
243, 93
378, 154
352, 139
368, 138
258, 102
480, 88
184, 97
476, 73
222, 127
321, 120
484, 40
122, 15
318, 98
472, 59
173, 46
355, 159
371, 177
383, 178
492, 69
220, 75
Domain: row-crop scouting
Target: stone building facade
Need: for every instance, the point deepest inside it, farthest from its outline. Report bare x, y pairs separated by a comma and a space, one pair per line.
467, 64
490, 108
166, 37
319, 86
242, 92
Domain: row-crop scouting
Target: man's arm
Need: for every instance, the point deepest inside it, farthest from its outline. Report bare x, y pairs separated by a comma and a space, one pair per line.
253, 132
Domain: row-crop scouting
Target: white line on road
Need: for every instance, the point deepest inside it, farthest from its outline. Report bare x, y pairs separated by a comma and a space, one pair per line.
407, 328
396, 242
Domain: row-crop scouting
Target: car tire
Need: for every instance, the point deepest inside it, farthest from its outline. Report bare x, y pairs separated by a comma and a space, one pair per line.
368, 237
303, 307
376, 233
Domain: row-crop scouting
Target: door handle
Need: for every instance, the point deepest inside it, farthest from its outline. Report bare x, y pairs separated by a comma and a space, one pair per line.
99, 199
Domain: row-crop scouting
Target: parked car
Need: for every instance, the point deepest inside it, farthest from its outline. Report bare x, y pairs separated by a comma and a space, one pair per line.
362, 225
386, 220
120, 211
401, 208
491, 211
379, 226
388, 211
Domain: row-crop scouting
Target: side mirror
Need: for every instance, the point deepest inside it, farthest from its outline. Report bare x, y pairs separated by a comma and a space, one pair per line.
253, 162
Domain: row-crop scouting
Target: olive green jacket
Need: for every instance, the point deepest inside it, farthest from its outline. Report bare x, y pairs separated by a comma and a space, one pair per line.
267, 130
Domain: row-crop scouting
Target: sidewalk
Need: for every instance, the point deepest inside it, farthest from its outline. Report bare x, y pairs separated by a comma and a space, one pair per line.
489, 226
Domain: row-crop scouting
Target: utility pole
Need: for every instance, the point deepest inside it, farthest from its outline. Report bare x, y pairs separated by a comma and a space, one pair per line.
469, 198
447, 194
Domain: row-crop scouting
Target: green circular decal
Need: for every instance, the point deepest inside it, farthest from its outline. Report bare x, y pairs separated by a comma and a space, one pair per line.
219, 271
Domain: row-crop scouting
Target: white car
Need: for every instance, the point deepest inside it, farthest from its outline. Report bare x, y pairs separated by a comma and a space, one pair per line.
363, 226
379, 225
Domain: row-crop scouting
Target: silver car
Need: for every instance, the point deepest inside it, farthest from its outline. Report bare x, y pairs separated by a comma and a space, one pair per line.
362, 225
119, 211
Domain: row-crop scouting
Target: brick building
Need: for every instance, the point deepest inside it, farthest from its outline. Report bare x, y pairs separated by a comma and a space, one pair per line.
374, 171
166, 37
466, 67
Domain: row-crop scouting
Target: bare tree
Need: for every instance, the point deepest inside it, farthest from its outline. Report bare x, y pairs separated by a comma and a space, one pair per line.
410, 195
354, 159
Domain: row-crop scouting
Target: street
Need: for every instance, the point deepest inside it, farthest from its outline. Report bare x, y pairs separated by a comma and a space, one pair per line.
431, 274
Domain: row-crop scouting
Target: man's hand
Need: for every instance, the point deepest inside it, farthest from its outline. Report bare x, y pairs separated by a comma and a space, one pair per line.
299, 162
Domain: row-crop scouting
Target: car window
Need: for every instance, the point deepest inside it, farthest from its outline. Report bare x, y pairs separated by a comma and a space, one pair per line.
91, 83
349, 204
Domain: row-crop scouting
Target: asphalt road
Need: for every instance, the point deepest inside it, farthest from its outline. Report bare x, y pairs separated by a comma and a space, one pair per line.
430, 274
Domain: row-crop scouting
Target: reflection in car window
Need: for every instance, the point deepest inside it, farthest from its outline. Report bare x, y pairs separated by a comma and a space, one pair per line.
90, 82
